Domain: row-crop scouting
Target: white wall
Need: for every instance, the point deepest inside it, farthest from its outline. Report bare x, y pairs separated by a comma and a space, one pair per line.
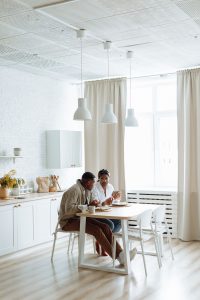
29, 106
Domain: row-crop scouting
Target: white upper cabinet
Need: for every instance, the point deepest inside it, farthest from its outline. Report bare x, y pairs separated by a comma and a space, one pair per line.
64, 149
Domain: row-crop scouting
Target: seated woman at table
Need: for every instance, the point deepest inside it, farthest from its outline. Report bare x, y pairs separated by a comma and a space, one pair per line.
104, 193
80, 194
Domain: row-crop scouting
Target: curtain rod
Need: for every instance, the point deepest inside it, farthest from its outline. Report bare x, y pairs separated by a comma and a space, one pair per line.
134, 77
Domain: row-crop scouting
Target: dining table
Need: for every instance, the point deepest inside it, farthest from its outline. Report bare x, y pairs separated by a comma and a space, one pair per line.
123, 213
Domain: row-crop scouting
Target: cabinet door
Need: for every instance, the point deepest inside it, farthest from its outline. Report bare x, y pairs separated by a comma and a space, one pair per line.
23, 216
7, 230
42, 221
71, 149
55, 205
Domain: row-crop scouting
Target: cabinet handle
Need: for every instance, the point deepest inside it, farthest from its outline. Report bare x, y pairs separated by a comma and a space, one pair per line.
19, 205
54, 199
15, 206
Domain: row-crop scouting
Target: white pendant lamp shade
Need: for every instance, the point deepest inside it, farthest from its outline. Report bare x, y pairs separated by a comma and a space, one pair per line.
131, 120
109, 116
82, 112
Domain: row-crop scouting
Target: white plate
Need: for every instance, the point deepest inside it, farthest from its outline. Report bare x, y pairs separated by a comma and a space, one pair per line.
120, 204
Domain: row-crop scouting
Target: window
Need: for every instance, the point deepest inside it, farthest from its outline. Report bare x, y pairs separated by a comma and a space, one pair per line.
151, 148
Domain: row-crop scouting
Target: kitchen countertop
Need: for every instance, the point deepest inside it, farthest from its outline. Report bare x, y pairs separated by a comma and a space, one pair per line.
29, 197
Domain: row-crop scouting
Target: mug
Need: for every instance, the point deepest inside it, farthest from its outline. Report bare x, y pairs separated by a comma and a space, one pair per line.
83, 208
91, 209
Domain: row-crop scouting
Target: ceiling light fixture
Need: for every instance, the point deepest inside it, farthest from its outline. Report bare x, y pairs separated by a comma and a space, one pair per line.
109, 116
131, 120
82, 113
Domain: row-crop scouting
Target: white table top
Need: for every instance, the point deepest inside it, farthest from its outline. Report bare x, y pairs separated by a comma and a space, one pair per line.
122, 212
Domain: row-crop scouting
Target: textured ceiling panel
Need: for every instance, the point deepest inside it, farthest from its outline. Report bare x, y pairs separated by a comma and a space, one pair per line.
9, 7
27, 41
191, 8
8, 31
163, 34
4, 50
30, 21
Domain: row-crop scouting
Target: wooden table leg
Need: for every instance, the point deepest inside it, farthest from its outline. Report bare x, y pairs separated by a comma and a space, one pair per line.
127, 262
81, 243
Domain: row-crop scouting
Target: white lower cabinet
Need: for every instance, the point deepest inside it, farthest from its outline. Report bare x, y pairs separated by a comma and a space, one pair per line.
23, 222
26, 224
42, 221
7, 234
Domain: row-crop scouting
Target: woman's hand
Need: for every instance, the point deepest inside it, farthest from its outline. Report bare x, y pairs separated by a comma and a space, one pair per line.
116, 194
108, 201
94, 203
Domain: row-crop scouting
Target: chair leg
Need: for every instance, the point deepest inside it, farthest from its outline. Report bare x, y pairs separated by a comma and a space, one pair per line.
170, 243
157, 251
54, 243
69, 242
74, 237
143, 257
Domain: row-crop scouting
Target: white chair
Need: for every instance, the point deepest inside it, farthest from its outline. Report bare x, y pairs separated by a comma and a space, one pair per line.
144, 220
160, 227
72, 236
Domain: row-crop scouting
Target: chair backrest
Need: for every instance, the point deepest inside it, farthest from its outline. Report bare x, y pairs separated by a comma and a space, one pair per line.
159, 214
144, 219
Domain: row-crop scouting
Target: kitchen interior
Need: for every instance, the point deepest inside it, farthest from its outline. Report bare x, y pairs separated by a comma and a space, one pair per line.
51, 51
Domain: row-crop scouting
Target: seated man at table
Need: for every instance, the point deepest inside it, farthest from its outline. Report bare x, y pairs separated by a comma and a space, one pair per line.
80, 194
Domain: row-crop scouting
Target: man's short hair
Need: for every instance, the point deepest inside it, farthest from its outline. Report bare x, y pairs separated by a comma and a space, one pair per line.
103, 172
88, 176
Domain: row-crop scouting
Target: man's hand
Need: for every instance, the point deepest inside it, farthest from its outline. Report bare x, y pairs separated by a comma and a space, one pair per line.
94, 203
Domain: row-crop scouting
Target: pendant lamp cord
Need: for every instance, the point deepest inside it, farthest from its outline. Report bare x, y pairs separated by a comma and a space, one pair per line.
130, 84
81, 67
108, 58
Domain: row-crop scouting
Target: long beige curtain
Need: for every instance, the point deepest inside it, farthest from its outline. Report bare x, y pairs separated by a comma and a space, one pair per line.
104, 144
188, 90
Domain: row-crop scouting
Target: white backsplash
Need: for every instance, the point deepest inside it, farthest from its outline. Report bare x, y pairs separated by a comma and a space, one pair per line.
29, 106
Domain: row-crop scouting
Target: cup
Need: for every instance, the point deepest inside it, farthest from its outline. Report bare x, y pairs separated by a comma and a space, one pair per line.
83, 208
91, 209
17, 151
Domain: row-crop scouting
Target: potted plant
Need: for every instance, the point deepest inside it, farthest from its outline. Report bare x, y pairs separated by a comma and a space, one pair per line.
6, 183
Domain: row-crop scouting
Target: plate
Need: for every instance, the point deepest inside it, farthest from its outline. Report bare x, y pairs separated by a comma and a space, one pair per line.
103, 208
120, 204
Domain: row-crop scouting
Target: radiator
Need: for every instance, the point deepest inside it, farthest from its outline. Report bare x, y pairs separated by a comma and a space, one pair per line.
159, 198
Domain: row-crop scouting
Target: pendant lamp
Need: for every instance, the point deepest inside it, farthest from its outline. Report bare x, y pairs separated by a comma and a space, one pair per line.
109, 116
82, 113
131, 120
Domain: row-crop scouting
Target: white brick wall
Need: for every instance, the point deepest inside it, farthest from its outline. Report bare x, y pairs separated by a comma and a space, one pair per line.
30, 105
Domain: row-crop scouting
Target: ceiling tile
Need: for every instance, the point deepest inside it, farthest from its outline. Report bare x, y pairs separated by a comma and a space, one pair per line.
9, 7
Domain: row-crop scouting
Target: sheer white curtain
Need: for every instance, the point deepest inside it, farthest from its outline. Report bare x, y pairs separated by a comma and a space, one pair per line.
104, 143
189, 154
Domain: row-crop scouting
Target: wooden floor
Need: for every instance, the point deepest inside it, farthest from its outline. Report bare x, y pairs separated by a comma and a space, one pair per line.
30, 275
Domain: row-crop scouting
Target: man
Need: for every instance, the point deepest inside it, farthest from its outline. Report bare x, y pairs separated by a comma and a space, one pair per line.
80, 194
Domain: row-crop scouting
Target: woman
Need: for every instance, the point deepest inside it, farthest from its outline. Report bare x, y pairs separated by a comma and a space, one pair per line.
104, 193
